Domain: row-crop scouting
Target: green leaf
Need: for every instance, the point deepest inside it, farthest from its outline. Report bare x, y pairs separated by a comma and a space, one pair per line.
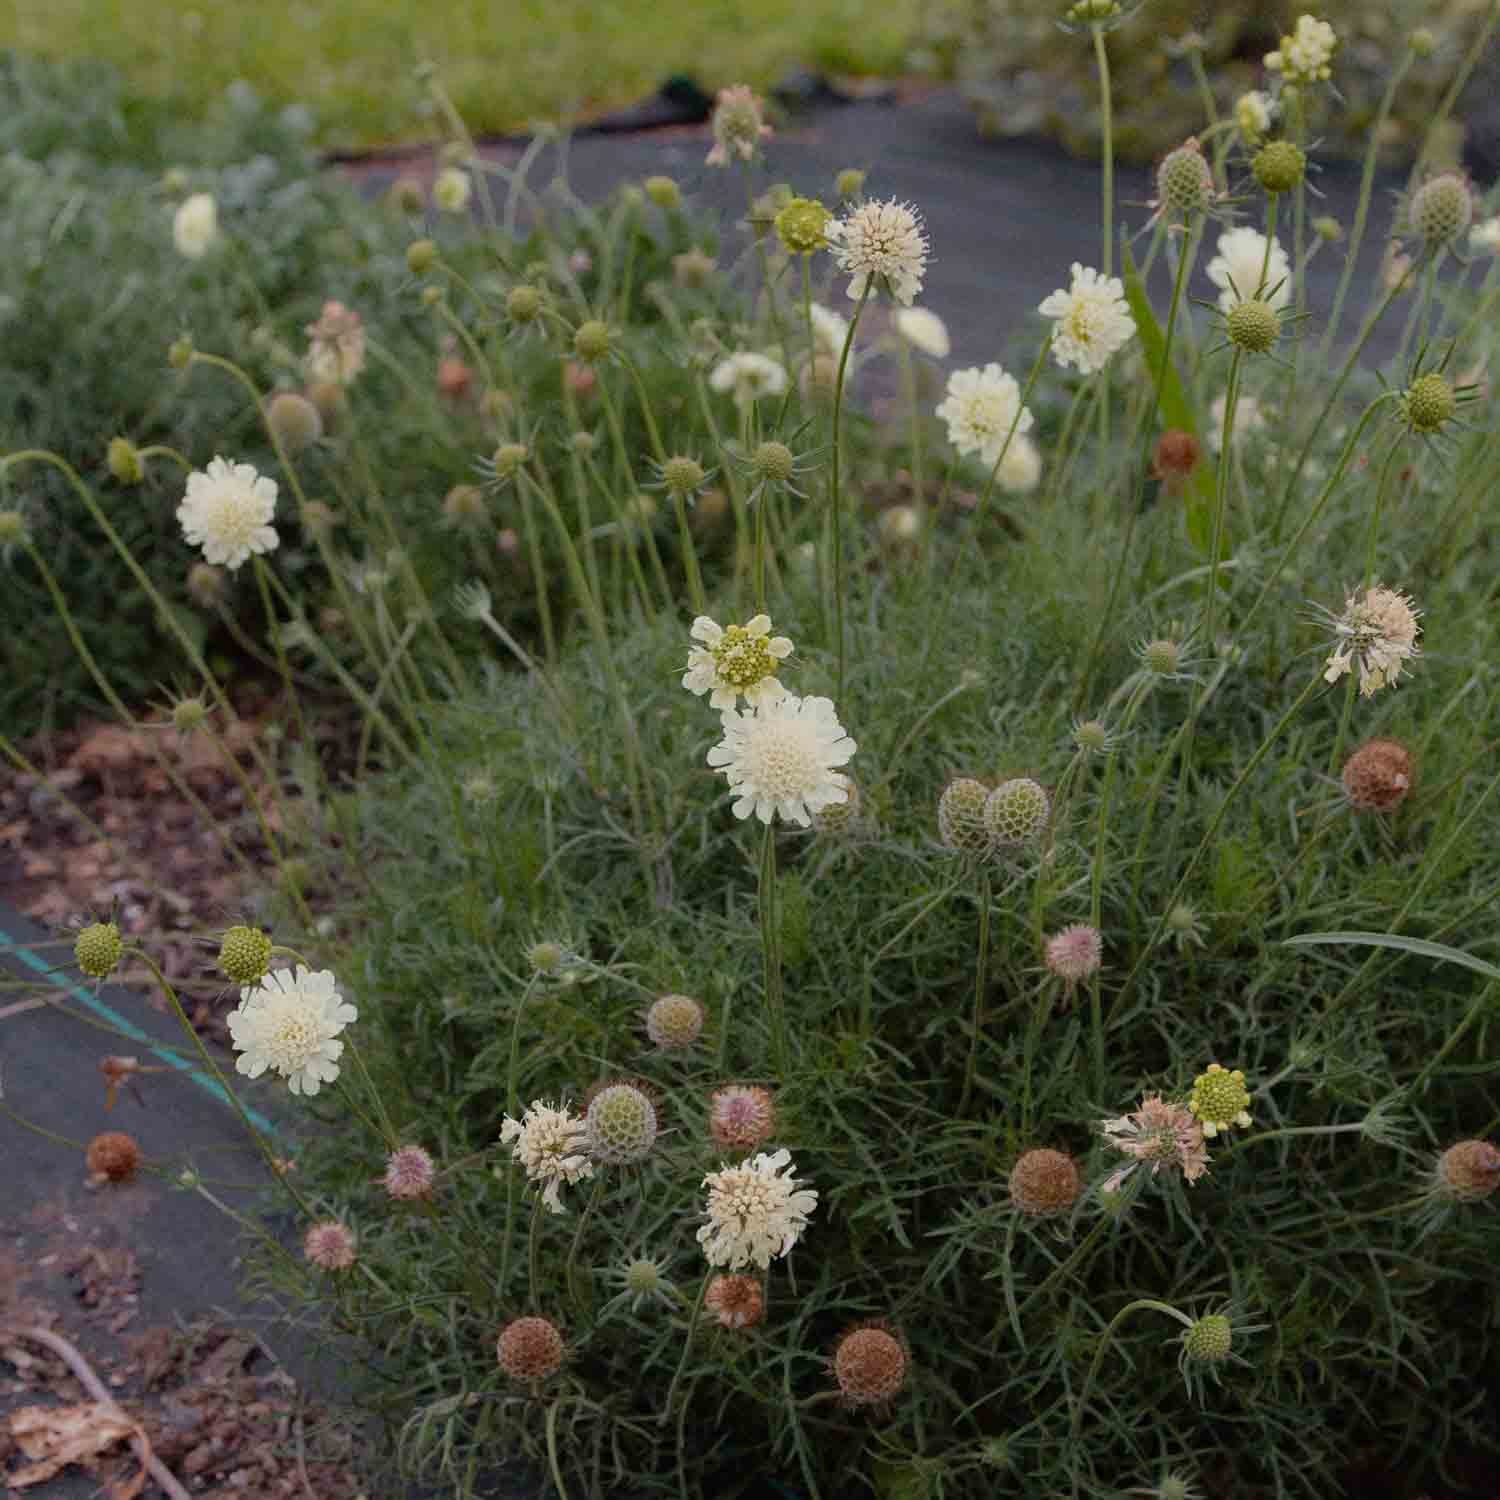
1176, 410
1421, 946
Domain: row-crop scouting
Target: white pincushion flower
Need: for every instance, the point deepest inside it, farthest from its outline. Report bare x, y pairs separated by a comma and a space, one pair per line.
552, 1144
1253, 113
829, 331
1248, 417
924, 331
1305, 56
227, 511
289, 1023
738, 660
755, 1214
1378, 632
1092, 320
1485, 236
1021, 468
451, 189
195, 225
780, 758
1236, 269
883, 241
748, 377
980, 408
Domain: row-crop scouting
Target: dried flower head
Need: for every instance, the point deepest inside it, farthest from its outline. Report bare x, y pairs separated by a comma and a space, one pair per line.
530, 1349
1175, 457
960, 816
1091, 320
674, 1022
1073, 954
741, 1117
738, 125
409, 1174
1220, 1099
1016, 812
1378, 776
336, 345
227, 510
290, 1023
1468, 1171
735, 661
112, 1157
622, 1124
1044, 1182
552, 1145
1378, 632
329, 1246
870, 1364
736, 1301
98, 948
756, 1211
1159, 1134
245, 954
781, 757
881, 246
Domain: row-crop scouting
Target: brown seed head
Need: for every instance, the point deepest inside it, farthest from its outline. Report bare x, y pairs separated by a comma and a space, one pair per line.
1044, 1182
870, 1364
530, 1348
736, 1301
1378, 776
113, 1157
1469, 1171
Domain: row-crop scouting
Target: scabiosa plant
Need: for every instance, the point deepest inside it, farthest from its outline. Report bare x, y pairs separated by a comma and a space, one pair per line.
981, 409
735, 1301
227, 510
1016, 812
781, 757
736, 661
1044, 1183
336, 345
622, 1124
1164, 1137
674, 1022
1377, 632
330, 1246
112, 1157
409, 1175
245, 954
870, 1364
960, 817
1378, 776
1073, 954
741, 1117
756, 1211
552, 1144
1468, 1171
530, 1349
1220, 1100
1091, 320
738, 124
881, 246
290, 1024
98, 948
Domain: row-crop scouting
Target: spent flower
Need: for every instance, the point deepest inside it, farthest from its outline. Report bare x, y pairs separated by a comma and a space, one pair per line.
738, 124
1377, 632
552, 1144
1160, 1135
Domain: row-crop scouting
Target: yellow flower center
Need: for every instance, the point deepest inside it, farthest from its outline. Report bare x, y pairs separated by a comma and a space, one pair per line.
742, 659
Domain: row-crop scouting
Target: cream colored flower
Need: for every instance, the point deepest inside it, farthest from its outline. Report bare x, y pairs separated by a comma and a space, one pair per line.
1377, 631
227, 511
738, 124
981, 408
1091, 320
1160, 1135
195, 225
552, 1144
1248, 417
1485, 236
1021, 468
290, 1023
748, 377
1253, 113
451, 190
755, 1214
881, 245
1236, 269
924, 331
829, 331
734, 661
1306, 56
336, 353
780, 758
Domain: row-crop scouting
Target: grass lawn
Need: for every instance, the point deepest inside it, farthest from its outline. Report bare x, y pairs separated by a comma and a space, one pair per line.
506, 62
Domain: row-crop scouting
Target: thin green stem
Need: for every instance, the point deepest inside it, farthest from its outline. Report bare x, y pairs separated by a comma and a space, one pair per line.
981, 983
770, 941
835, 494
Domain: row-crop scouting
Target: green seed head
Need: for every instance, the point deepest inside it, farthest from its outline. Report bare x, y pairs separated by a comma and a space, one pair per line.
180, 352
591, 342
850, 183
97, 949
802, 226
509, 457
682, 475
294, 420
546, 957
960, 816
663, 192
1209, 1340
421, 257
1442, 208
839, 819
124, 461
1162, 657
1090, 12
245, 954
1016, 812
1279, 166
1328, 229
1253, 326
1184, 183
189, 714
1428, 403
772, 463
1423, 42
674, 1021
523, 304
621, 1122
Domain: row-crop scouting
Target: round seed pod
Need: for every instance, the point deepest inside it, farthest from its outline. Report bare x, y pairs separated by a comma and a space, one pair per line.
113, 1156
870, 1365
530, 1348
1378, 776
1045, 1182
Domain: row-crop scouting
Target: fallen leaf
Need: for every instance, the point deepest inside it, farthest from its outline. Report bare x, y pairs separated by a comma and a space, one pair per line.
56, 1436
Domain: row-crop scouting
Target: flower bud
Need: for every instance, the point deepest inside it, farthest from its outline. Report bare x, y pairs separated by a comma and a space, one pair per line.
124, 460
421, 257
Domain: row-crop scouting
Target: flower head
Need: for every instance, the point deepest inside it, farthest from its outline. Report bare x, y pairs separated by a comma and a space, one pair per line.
829, 331
1073, 954
748, 377
530, 1348
290, 1023
738, 124
1485, 236
1016, 812
336, 347
1253, 114
329, 1246
1021, 466
1236, 269
736, 661
802, 226
1279, 166
622, 1124
409, 1174
981, 408
674, 1022
1378, 776
643, 1281
881, 245
1220, 1099
1468, 1172
195, 225
451, 190
1044, 1182
960, 816
1160, 1134
741, 1117
1175, 456
98, 948
227, 510
112, 1157
1377, 631
1248, 417
1184, 184
781, 756
736, 1301
870, 1364
1441, 209
923, 330
1306, 56
1091, 320
755, 1212
552, 1145
245, 954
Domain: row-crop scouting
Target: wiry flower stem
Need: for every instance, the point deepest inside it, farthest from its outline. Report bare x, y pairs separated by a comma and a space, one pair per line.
687, 1349
981, 981
1106, 257
770, 941
835, 496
